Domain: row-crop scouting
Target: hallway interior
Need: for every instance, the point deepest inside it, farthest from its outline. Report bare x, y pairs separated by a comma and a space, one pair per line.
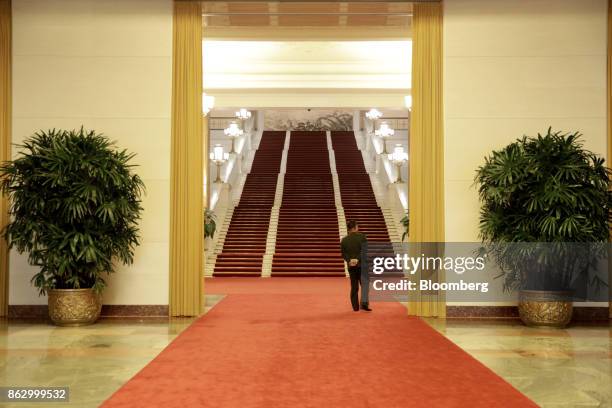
172, 80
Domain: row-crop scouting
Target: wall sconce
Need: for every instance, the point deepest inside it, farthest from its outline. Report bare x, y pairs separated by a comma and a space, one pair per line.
233, 131
408, 102
243, 115
208, 103
398, 157
218, 157
374, 114
384, 131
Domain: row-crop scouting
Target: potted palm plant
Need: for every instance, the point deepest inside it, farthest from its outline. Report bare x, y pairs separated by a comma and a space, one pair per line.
210, 223
405, 221
75, 205
545, 205
210, 226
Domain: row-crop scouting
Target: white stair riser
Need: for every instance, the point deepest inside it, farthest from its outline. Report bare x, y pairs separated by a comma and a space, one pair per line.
266, 267
337, 197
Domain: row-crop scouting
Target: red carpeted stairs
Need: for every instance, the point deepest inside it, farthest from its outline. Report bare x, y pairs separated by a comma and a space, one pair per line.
358, 198
245, 243
308, 239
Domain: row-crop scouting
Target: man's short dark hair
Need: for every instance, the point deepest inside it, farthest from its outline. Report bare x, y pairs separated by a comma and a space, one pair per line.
351, 224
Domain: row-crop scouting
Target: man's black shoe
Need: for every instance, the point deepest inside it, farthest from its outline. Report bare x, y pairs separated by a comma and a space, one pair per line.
355, 310
366, 308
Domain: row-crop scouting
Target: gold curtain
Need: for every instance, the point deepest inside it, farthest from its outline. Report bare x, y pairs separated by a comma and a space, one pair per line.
610, 125
186, 218
426, 185
5, 138
609, 82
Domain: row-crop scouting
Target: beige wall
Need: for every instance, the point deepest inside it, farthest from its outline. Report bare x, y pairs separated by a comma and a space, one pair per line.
107, 65
515, 67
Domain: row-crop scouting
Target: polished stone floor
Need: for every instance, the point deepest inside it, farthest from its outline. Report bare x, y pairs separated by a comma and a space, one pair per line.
555, 368
93, 361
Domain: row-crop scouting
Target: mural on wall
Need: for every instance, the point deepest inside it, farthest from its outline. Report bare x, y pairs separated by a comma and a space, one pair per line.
308, 119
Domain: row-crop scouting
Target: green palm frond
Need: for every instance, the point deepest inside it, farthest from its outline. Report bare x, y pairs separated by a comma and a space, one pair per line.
406, 224
210, 223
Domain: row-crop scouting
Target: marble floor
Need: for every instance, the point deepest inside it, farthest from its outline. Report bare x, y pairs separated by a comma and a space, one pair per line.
93, 361
555, 368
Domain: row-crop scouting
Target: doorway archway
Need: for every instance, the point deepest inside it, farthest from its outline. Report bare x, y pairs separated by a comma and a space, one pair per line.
426, 167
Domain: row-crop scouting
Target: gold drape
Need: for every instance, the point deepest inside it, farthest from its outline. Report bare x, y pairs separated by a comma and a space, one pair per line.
609, 82
426, 185
610, 123
186, 218
5, 138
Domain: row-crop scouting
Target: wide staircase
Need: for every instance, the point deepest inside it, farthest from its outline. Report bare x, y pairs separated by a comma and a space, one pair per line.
358, 199
245, 242
307, 240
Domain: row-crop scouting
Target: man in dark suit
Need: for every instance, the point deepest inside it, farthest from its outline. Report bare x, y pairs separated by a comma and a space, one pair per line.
351, 252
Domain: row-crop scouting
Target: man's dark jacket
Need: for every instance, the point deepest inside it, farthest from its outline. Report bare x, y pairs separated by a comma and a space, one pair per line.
351, 246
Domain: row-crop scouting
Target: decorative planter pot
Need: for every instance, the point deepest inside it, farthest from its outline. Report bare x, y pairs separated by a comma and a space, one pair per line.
74, 307
545, 308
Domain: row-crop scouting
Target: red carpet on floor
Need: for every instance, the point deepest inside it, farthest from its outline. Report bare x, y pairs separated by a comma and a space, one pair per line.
297, 343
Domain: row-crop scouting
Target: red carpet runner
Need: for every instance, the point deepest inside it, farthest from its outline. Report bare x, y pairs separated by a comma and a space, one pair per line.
308, 240
296, 343
245, 243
